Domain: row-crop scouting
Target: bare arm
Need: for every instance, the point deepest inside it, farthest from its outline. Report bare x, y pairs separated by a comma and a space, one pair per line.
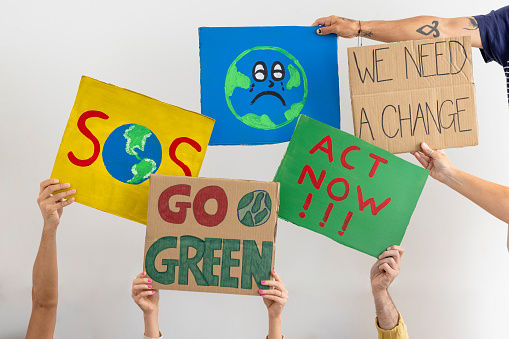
383, 273
45, 271
275, 299
416, 28
493, 198
147, 299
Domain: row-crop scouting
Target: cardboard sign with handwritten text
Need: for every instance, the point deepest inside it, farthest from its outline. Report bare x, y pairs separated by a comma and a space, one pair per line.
409, 92
347, 189
210, 235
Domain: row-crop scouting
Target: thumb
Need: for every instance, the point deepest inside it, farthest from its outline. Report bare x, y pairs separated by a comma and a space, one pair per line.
325, 30
427, 150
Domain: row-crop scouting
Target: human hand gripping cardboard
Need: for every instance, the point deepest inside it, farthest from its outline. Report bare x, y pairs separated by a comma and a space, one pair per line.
147, 300
275, 300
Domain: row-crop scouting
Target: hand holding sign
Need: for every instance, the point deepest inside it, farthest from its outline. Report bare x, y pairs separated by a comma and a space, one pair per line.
436, 162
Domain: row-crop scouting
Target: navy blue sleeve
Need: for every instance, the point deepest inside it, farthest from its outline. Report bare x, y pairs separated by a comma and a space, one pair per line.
494, 30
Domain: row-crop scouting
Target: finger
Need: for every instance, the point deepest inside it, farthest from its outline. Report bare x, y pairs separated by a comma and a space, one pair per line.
274, 298
46, 183
276, 276
277, 293
319, 22
400, 249
325, 30
147, 293
52, 188
420, 157
428, 151
58, 197
386, 268
142, 287
272, 283
390, 254
392, 263
142, 281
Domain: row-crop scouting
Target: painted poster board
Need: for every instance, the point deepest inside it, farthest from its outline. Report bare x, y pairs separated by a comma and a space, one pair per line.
115, 138
357, 194
408, 92
255, 81
211, 235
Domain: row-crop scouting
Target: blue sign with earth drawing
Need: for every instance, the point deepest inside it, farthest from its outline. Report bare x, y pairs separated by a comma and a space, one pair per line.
255, 81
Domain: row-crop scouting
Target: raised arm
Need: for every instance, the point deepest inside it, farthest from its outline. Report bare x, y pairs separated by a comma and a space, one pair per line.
147, 300
275, 299
493, 198
416, 28
45, 271
383, 273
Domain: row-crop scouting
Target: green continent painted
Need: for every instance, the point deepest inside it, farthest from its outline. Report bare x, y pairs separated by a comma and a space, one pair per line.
294, 77
142, 170
261, 122
136, 136
235, 79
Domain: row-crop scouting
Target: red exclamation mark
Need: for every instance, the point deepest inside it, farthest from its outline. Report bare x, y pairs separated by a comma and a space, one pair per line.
327, 213
306, 205
345, 224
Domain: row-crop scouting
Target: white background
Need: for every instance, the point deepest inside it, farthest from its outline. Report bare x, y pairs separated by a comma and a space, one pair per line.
455, 273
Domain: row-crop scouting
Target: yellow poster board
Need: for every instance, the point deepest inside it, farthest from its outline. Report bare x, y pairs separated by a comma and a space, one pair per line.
116, 138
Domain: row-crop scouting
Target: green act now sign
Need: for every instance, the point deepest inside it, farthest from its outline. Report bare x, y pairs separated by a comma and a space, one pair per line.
347, 189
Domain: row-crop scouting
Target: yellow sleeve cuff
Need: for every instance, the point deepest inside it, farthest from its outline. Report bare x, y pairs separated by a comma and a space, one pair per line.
398, 332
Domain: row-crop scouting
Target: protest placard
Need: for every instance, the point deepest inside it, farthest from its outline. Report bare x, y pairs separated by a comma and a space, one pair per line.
255, 81
347, 189
210, 235
116, 138
408, 92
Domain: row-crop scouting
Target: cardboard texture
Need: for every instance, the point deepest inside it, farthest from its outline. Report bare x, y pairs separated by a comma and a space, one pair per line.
409, 92
115, 138
211, 235
347, 189
255, 81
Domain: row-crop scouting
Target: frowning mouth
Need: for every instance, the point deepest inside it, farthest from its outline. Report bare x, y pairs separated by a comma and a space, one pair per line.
277, 95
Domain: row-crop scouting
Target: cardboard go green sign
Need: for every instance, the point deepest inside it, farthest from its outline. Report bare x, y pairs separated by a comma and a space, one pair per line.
210, 235
347, 189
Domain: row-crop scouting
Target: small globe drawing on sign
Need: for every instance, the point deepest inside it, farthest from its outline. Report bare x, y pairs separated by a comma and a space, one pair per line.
131, 153
254, 208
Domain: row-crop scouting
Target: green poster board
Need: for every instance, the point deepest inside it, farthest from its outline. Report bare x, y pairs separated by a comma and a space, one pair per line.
347, 189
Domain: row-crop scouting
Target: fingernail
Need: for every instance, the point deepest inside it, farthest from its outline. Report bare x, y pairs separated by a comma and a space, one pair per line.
263, 281
150, 280
71, 199
260, 291
149, 286
425, 145
263, 295
273, 271
73, 191
143, 273
67, 185
55, 180
319, 31
153, 292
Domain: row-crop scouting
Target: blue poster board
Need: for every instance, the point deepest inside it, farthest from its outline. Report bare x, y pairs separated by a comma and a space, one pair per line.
255, 81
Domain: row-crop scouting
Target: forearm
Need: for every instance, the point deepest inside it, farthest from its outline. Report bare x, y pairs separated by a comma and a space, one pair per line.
45, 288
493, 198
421, 27
275, 328
45, 271
151, 324
386, 312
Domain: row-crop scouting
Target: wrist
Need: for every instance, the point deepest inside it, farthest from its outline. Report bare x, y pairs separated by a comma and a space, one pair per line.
379, 293
452, 176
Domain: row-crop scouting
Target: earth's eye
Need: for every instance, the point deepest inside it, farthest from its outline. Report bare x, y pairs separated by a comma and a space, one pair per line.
278, 71
259, 71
